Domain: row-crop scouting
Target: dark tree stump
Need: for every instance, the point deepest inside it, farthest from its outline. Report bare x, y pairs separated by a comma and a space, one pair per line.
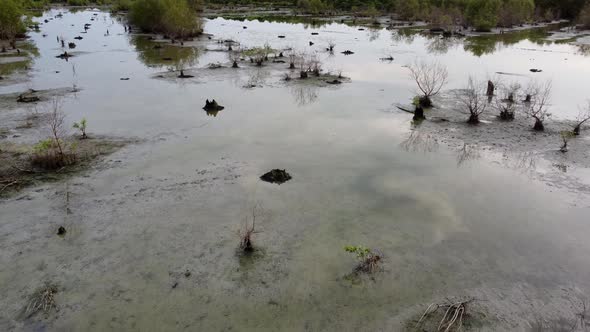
491, 89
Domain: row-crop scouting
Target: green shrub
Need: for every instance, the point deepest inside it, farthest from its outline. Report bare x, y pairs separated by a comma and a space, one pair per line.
483, 14
11, 22
173, 17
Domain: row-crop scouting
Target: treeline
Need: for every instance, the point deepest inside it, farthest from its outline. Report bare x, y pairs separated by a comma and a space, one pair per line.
482, 14
175, 18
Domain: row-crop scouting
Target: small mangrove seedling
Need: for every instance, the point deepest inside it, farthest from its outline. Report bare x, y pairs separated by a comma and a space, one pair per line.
246, 232
566, 135
81, 126
331, 45
368, 258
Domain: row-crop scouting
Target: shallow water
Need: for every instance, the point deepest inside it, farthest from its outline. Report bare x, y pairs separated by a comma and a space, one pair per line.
174, 201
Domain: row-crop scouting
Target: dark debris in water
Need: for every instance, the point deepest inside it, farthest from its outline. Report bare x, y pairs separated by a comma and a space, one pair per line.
278, 176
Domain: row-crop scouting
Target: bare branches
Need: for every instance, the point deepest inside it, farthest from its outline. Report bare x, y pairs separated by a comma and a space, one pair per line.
474, 100
430, 79
247, 230
331, 45
235, 56
583, 116
56, 125
507, 106
538, 107
453, 317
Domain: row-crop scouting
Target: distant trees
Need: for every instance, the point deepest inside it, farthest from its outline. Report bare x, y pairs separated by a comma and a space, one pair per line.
173, 17
514, 12
10, 19
483, 14
584, 17
312, 6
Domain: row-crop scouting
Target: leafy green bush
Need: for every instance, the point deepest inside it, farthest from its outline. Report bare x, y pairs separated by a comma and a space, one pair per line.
11, 23
173, 17
483, 14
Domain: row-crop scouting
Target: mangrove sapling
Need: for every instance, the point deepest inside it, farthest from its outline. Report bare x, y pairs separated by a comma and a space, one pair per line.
81, 126
235, 56
474, 100
293, 58
538, 107
331, 45
54, 153
583, 116
430, 79
368, 258
248, 229
565, 135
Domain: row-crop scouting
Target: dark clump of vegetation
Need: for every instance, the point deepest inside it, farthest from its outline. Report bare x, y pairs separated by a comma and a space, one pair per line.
278, 176
175, 18
368, 259
474, 100
212, 106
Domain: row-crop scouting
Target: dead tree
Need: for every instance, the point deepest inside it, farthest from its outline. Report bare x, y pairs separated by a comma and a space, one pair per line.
474, 100
430, 79
538, 107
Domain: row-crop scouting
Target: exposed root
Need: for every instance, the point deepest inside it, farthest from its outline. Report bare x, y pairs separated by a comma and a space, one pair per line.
453, 317
42, 300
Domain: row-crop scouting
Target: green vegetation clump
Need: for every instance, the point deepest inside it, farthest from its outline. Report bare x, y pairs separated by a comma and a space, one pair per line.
177, 18
368, 259
11, 23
